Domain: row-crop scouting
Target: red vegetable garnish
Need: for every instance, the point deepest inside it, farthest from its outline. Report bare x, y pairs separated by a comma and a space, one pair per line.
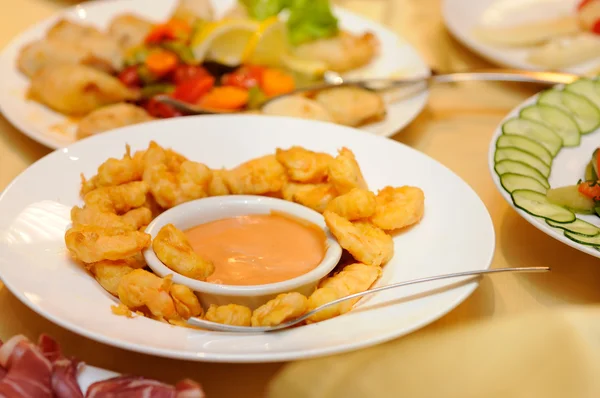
158, 109
582, 4
161, 62
186, 72
130, 77
225, 97
276, 82
193, 89
247, 76
591, 189
172, 30
596, 27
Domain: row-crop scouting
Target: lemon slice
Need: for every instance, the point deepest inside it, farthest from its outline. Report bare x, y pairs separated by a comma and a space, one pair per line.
307, 67
224, 41
267, 44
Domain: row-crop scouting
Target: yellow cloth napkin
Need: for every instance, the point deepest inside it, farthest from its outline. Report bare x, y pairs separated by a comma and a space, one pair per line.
544, 354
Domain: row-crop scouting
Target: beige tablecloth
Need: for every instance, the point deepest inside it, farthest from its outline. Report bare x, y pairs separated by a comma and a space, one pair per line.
455, 129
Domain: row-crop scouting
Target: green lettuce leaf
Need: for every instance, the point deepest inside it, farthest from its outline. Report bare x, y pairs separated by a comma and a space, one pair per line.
310, 20
263, 9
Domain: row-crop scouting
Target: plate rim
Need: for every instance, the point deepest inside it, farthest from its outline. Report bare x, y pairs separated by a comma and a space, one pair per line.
53, 143
468, 286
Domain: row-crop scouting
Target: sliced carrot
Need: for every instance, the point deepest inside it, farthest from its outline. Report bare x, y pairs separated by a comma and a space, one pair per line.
179, 27
161, 62
276, 82
172, 30
225, 97
591, 189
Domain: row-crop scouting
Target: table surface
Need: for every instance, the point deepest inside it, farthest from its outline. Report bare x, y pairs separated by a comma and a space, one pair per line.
455, 128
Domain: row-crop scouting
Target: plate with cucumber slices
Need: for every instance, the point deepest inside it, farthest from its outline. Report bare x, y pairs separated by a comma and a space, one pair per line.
544, 159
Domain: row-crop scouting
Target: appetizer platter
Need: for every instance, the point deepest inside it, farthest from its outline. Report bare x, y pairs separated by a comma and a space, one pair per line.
543, 158
103, 65
561, 35
126, 229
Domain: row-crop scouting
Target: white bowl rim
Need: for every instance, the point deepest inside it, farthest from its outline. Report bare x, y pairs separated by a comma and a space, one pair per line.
330, 260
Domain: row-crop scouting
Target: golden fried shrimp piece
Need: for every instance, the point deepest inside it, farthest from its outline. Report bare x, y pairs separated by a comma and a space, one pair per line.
109, 273
171, 188
344, 172
303, 165
93, 216
111, 117
314, 196
256, 177
118, 199
140, 290
342, 52
114, 172
91, 244
138, 218
366, 242
186, 302
230, 314
354, 205
398, 207
77, 90
352, 279
129, 30
217, 186
153, 206
297, 106
282, 308
352, 106
174, 250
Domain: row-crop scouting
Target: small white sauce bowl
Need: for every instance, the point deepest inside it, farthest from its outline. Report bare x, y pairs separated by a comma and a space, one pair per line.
193, 213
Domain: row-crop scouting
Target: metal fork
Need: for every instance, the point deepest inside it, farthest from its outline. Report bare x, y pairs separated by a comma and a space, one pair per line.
249, 329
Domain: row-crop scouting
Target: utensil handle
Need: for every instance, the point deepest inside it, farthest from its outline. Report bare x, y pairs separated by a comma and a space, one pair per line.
507, 75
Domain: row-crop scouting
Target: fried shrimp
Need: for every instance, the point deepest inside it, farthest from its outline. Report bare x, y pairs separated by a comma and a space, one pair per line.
256, 177
118, 199
186, 302
174, 250
282, 308
133, 219
344, 172
141, 290
303, 165
230, 314
217, 186
354, 278
315, 196
398, 207
354, 205
352, 106
91, 244
113, 172
109, 273
366, 242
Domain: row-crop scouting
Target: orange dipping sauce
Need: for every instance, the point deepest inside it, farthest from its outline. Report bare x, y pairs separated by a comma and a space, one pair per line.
258, 249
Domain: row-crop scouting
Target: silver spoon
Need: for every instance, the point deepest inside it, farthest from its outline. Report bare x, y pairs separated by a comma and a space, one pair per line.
412, 86
249, 329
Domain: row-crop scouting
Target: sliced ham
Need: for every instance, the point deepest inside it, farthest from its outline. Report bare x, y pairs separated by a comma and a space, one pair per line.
64, 370
130, 387
189, 389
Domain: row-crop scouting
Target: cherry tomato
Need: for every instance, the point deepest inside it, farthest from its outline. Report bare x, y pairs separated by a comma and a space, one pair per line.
130, 77
186, 72
596, 27
158, 109
247, 76
193, 89
591, 189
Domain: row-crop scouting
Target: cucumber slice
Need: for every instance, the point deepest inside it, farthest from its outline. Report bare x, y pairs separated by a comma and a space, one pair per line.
524, 157
511, 182
559, 121
514, 167
578, 227
584, 240
572, 199
586, 88
538, 205
535, 131
585, 113
595, 165
525, 144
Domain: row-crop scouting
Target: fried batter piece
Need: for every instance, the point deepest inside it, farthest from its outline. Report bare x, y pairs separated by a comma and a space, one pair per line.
282, 308
174, 250
118, 199
133, 219
91, 244
366, 242
230, 314
186, 302
115, 172
354, 205
109, 273
354, 278
111, 117
217, 186
342, 52
256, 177
345, 174
315, 196
352, 106
140, 290
77, 90
129, 30
303, 165
398, 207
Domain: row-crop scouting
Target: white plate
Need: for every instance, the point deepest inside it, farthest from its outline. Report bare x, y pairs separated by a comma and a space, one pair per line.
56, 131
462, 16
456, 234
567, 168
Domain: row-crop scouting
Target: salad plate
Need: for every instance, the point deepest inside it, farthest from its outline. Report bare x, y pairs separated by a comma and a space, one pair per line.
35, 210
55, 130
